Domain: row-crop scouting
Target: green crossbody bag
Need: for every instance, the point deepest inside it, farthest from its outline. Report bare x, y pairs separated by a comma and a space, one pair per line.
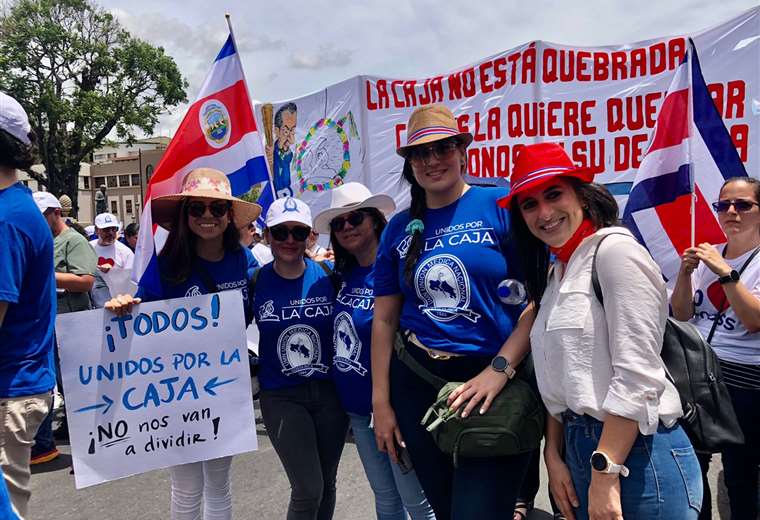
513, 424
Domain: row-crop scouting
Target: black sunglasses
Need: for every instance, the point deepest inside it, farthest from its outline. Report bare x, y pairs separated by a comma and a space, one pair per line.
218, 209
740, 205
439, 149
280, 233
355, 218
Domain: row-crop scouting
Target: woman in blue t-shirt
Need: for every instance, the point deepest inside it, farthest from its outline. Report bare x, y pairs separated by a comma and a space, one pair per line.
438, 269
293, 303
355, 221
202, 254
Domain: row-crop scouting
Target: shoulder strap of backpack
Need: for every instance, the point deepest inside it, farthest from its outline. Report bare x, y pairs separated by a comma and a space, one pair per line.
594, 276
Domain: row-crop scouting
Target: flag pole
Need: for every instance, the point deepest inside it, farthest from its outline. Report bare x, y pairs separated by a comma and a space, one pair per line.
690, 119
250, 99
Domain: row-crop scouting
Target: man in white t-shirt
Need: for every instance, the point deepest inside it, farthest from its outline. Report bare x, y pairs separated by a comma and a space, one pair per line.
114, 258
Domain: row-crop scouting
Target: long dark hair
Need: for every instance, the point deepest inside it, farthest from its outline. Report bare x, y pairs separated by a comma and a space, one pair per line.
416, 211
345, 261
178, 255
15, 154
598, 205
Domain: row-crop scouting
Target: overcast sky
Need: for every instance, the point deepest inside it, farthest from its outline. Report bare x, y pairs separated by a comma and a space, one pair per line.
292, 48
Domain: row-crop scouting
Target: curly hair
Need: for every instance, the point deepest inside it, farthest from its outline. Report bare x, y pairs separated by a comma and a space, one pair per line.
15, 154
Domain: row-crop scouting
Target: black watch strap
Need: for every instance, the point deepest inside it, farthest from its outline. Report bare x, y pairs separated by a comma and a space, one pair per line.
731, 277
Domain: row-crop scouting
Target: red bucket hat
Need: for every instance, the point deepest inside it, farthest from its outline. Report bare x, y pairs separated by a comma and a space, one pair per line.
539, 163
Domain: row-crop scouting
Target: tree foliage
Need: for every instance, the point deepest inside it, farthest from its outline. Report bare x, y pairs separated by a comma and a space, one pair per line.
81, 76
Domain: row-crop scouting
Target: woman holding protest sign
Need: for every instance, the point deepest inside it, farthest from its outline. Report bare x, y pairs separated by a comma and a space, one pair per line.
598, 364
355, 220
201, 254
293, 300
436, 279
718, 289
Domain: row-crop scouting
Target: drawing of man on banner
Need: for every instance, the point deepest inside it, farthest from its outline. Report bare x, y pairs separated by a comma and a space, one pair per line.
285, 121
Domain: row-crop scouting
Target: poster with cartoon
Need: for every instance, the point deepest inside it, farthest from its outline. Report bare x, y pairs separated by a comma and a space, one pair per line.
167, 384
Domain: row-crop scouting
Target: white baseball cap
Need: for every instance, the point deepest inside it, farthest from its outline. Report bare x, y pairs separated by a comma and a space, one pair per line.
288, 209
13, 119
45, 200
106, 220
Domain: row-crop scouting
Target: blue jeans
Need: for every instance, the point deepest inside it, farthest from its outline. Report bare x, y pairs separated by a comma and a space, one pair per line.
479, 488
665, 481
394, 491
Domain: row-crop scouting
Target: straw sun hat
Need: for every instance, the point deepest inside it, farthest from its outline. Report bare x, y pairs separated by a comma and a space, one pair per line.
431, 123
207, 183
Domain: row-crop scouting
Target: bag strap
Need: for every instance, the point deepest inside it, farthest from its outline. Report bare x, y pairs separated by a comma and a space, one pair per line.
415, 366
720, 314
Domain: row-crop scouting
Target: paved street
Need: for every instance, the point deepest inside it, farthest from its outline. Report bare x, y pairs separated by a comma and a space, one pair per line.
260, 491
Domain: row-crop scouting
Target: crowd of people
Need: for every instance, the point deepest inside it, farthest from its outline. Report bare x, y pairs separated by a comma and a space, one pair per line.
471, 298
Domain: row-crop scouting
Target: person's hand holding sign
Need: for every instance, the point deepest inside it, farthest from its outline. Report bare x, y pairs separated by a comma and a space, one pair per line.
122, 304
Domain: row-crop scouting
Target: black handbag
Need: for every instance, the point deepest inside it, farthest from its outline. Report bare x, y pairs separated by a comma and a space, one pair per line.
692, 366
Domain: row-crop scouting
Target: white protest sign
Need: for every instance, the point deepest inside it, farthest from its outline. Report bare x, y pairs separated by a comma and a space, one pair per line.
168, 384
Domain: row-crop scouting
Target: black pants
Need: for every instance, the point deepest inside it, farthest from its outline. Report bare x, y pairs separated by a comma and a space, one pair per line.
740, 463
479, 488
307, 427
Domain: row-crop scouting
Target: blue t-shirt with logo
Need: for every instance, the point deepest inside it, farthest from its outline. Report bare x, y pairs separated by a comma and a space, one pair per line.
352, 334
231, 272
295, 321
453, 304
27, 284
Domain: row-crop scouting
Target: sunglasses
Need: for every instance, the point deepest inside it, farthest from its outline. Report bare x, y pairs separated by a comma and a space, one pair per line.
218, 209
440, 150
280, 233
741, 206
355, 218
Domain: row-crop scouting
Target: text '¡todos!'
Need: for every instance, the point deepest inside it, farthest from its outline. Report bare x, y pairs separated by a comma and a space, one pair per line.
158, 321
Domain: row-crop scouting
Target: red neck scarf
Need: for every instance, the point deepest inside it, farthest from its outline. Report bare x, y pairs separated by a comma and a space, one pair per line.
565, 251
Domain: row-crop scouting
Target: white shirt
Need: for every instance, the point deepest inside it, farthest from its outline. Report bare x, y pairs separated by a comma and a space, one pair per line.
731, 340
605, 360
262, 254
121, 259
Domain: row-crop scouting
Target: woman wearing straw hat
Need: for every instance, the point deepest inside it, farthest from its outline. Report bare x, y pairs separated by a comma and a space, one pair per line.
201, 254
438, 269
355, 220
598, 366
293, 299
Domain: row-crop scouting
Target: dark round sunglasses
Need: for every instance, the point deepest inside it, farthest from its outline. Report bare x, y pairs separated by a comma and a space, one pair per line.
439, 149
280, 233
740, 205
218, 209
355, 218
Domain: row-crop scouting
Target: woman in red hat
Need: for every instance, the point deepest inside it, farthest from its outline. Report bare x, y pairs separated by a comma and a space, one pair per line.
598, 366
438, 269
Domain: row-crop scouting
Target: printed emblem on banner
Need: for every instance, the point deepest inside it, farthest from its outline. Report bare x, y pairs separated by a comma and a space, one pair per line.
215, 123
442, 283
193, 291
266, 312
348, 347
300, 350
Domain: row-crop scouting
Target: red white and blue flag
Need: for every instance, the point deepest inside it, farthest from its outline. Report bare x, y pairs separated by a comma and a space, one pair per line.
219, 131
690, 155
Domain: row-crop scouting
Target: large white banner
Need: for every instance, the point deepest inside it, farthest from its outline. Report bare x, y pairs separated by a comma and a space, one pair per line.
168, 384
600, 102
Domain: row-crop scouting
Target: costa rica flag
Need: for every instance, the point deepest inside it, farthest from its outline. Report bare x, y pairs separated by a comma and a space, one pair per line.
690, 155
219, 131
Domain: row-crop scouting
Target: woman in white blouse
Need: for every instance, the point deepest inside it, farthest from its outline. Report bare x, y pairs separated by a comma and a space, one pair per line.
598, 366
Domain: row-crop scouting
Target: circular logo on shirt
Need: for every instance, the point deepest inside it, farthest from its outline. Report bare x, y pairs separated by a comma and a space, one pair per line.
441, 282
193, 291
348, 346
299, 351
215, 123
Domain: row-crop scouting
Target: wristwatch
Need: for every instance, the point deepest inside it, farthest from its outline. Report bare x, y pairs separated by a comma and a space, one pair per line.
731, 277
601, 462
501, 364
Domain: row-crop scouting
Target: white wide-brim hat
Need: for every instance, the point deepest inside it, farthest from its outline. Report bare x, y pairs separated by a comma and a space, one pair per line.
350, 197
